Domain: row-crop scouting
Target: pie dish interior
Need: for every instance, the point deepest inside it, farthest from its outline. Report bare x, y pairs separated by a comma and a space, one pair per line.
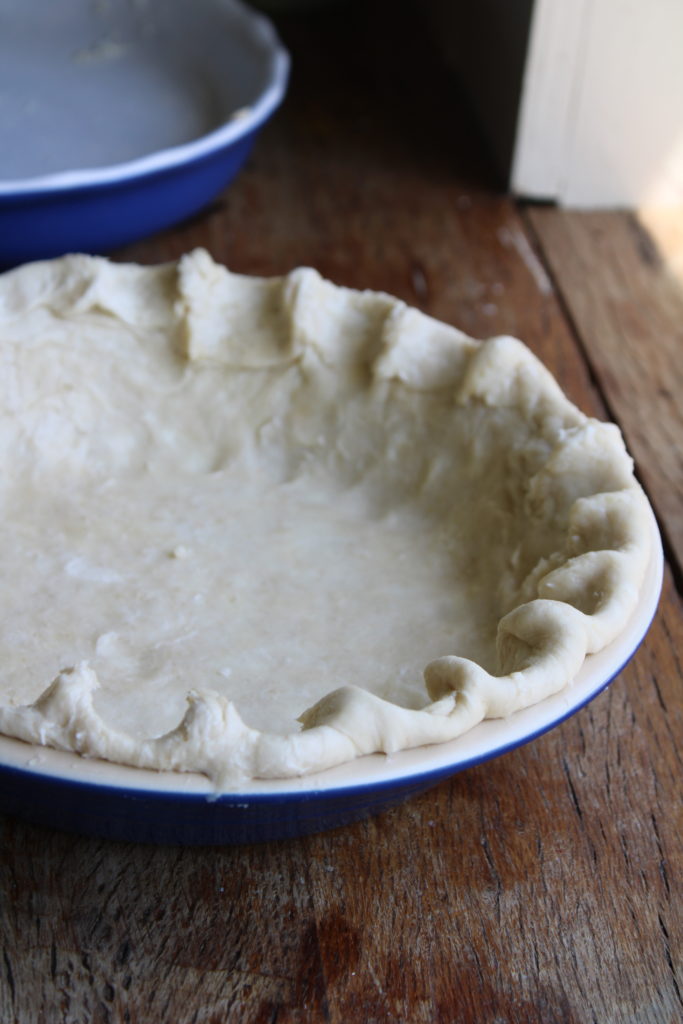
231, 502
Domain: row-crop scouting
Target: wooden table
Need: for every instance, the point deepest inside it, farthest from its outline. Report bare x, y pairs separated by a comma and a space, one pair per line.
544, 886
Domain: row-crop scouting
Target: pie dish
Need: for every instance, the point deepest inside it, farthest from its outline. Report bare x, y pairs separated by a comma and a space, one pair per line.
63, 790
119, 119
230, 502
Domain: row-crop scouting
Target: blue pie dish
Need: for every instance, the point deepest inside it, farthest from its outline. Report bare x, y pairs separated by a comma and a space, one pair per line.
65, 791
119, 120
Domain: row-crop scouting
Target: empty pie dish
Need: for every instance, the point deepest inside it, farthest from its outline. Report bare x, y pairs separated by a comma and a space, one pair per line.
277, 551
118, 119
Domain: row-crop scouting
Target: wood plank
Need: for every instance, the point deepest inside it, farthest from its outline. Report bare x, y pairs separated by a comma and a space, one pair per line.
105, 932
628, 310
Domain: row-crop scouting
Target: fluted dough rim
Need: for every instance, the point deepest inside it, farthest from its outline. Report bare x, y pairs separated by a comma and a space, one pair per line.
574, 603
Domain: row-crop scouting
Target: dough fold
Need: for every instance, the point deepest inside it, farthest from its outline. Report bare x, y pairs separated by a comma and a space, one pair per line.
197, 371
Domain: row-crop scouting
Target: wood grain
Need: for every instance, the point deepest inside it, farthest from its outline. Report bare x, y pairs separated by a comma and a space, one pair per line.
541, 887
628, 311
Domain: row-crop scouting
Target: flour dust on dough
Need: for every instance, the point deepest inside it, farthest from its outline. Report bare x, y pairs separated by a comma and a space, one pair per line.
230, 503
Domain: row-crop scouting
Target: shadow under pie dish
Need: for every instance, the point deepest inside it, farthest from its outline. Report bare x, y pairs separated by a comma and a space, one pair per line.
233, 502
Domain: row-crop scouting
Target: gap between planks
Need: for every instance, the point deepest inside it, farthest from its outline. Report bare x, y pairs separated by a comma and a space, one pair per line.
625, 310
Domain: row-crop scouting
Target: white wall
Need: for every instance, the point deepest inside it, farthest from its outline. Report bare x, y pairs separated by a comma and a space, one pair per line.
601, 113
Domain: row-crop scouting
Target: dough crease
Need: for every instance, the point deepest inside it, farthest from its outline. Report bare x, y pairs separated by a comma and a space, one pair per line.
188, 390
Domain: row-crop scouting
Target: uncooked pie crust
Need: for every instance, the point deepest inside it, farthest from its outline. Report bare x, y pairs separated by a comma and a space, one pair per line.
230, 501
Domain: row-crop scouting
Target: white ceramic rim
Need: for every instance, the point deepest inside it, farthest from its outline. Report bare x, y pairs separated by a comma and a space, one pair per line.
486, 741
263, 31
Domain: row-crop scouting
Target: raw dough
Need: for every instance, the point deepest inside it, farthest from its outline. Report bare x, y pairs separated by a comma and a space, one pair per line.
229, 499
